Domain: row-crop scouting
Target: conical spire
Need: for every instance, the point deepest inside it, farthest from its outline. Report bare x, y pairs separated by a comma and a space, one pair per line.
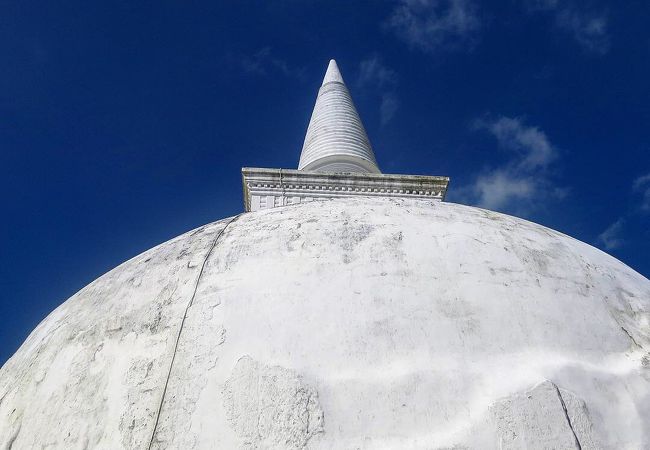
336, 140
332, 74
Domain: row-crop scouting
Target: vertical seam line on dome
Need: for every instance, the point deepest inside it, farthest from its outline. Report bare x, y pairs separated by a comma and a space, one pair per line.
180, 329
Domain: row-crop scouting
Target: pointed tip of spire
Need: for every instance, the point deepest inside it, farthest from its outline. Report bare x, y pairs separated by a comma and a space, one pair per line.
333, 73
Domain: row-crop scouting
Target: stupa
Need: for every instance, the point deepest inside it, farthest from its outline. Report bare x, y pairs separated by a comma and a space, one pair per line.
367, 319
336, 160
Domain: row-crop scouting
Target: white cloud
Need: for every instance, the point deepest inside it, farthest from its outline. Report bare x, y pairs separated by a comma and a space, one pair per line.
522, 182
264, 61
531, 144
501, 187
611, 238
588, 28
431, 25
642, 185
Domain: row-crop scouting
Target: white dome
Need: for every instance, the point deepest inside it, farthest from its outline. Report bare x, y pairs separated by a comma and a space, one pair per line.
344, 324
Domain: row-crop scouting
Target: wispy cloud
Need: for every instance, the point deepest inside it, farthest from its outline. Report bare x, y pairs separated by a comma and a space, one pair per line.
264, 62
642, 186
388, 107
432, 25
588, 28
611, 238
373, 73
523, 181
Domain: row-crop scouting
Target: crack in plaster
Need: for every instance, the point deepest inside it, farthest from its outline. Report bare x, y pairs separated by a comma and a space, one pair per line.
12, 439
631, 337
566, 415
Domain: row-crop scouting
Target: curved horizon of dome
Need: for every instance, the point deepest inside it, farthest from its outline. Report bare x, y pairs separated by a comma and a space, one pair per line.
355, 322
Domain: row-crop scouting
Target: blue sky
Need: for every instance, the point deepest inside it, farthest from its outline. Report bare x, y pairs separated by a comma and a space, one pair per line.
124, 124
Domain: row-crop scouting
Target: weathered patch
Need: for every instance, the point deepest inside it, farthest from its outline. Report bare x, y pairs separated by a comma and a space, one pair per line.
271, 407
543, 417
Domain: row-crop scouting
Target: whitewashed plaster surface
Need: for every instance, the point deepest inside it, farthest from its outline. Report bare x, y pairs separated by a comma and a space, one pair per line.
356, 323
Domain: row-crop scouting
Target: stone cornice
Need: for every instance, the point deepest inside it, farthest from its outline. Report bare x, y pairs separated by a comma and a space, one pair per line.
288, 186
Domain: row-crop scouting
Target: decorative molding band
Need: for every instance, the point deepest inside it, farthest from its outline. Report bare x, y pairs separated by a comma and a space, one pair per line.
270, 188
